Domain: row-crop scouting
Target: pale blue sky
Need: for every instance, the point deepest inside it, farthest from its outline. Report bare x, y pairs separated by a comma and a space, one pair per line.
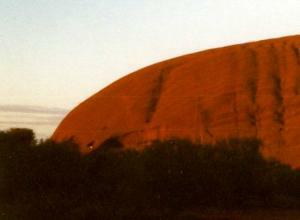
56, 53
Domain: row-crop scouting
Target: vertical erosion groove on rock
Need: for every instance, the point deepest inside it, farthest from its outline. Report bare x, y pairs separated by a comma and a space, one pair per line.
277, 87
252, 74
296, 53
156, 93
276, 82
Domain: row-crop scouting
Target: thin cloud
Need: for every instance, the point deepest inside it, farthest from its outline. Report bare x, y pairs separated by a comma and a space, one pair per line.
42, 120
32, 109
32, 121
26, 123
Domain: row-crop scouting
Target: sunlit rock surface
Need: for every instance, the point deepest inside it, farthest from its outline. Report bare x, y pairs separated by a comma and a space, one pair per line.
247, 90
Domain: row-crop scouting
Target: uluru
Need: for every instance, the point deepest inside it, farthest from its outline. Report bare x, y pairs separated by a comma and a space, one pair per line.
248, 90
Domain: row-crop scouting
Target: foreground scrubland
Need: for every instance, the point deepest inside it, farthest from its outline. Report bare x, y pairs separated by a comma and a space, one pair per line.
172, 179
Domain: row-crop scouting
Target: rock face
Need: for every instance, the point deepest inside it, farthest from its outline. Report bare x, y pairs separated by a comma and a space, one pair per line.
247, 90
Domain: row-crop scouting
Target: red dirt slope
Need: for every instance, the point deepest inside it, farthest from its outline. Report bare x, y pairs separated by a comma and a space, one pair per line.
247, 90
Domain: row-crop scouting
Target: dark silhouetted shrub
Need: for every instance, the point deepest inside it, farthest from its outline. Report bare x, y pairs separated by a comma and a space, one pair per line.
48, 180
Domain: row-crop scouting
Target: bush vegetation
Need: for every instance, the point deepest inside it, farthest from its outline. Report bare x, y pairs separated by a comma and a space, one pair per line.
47, 180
